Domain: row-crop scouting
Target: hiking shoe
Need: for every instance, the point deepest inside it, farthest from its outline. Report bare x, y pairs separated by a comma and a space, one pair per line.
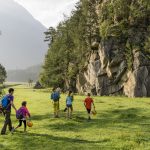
65, 109
89, 118
12, 131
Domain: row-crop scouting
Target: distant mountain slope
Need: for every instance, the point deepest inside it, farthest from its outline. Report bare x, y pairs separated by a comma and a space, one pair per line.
22, 40
24, 75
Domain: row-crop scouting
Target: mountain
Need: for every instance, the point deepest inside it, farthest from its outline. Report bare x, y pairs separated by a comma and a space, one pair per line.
22, 39
24, 75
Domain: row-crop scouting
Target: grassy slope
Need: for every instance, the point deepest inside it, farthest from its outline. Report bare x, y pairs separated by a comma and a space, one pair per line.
121, 124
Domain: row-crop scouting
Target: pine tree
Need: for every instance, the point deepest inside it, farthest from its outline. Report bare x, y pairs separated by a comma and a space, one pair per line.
3, 76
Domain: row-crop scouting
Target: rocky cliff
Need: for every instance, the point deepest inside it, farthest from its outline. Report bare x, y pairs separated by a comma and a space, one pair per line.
119, 63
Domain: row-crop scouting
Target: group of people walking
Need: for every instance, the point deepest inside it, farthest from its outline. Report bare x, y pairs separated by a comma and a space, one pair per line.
55, 97
22, 114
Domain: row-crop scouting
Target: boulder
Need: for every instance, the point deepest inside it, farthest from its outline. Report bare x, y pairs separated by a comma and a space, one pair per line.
38, 85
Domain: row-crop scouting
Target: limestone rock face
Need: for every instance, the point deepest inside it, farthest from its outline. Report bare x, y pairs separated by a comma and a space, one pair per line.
138, 84
109, 76
119, 63
105, 72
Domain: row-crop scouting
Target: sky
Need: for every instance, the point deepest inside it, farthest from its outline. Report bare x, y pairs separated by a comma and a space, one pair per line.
48, 12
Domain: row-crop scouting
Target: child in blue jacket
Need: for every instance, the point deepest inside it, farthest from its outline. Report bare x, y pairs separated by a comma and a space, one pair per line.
69, 104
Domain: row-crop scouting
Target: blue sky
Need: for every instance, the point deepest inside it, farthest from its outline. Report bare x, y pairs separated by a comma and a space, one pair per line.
48, 12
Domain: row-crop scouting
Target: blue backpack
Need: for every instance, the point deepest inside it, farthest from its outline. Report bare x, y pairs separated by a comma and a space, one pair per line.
5, 102
55, 96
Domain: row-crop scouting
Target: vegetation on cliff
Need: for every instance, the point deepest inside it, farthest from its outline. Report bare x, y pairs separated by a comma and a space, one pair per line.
126, 22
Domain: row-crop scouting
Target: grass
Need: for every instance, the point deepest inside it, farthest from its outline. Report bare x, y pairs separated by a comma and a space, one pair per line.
121, 124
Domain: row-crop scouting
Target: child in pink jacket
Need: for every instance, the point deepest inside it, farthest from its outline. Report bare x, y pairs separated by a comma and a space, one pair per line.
22, 115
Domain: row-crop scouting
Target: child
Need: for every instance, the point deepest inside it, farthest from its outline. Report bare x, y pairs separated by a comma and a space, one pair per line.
55, 97
69, 101
72, 100
22, 115
88, 105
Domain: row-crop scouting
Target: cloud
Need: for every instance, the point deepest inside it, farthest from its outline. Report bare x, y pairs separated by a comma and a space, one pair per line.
48, 12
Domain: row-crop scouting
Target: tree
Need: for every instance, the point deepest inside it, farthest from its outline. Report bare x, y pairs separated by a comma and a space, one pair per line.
2, 79
67, 45
124, 22
3, 74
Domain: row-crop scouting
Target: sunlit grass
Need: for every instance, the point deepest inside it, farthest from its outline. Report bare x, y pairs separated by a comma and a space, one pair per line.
121, 124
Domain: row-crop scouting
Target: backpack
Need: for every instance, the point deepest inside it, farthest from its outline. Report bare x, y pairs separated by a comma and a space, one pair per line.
19, 114
5, 102
55, 96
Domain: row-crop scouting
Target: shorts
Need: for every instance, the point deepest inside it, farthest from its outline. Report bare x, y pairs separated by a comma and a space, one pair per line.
88, 110
70, 106
56, 106
20, 117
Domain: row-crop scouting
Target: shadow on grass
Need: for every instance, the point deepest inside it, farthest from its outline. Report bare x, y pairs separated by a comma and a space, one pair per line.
108, 119
130, 114
48, 141
40, 117
67, 126
62, 139
127, 117
76, 124
103, 120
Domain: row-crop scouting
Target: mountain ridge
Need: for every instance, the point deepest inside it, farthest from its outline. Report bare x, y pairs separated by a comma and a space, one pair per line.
23, 75
21, 33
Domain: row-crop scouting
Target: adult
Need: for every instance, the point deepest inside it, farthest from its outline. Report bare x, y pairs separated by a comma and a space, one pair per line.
7, 111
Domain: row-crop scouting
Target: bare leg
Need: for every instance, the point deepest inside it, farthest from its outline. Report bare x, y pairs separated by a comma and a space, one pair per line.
89, 116
70, 113
67, 115
58, 109
55, 110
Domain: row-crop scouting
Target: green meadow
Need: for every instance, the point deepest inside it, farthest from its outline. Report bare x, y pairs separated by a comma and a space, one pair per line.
120, 124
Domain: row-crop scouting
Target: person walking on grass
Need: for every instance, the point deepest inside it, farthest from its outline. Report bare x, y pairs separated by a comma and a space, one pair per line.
7, 111
88, 102
55, 97
22, 115
58, 91
69, 101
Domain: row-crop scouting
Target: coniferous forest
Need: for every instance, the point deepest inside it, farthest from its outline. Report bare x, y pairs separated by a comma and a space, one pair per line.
101, 48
